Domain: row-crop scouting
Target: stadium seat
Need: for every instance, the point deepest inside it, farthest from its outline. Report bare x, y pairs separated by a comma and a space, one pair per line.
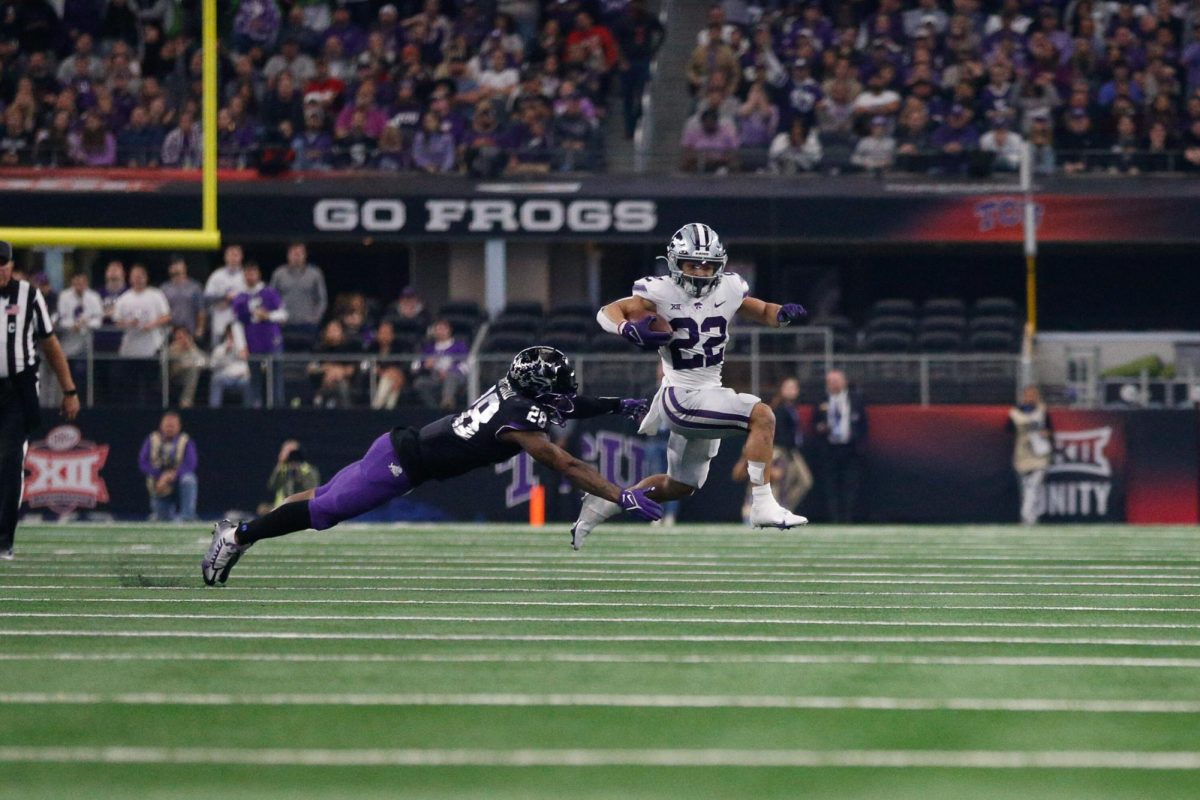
573, 310
570, 325
943, 307
608, 343
569, 343
893, 307
516, 323
461, 308
996, 307
939, 342
946, 323
506, 342
524, 308
992, 341
464, 326
898, 324
888, 341
1006, 325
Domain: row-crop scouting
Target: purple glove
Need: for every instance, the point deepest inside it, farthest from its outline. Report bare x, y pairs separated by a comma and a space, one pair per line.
642, 335
635, 408
789, 313
637, 503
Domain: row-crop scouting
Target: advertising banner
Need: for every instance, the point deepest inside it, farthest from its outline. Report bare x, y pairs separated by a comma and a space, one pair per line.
941, 464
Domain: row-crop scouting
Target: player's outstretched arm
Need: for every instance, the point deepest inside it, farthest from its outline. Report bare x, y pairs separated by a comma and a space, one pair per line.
582, 476
773, 315
634, 408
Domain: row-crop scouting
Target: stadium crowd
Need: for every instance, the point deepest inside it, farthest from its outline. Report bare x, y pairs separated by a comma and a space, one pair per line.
437, 86
945, 86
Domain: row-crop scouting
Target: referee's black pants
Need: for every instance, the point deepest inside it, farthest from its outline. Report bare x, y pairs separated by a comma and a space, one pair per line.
14, 430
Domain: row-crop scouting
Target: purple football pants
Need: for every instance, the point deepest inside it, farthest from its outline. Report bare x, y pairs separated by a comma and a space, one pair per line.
359, 487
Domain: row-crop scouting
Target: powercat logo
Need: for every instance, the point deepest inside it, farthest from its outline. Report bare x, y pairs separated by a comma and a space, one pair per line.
64, 472
492, 215
1079, 481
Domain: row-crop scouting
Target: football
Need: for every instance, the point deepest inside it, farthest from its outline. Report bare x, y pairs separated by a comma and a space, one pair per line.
659, 323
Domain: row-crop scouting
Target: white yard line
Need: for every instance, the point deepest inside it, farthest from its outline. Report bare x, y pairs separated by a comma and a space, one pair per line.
619, 658
677, 621
868, 759
243, 601
580, 591
259, 575
483, 637
1017, 705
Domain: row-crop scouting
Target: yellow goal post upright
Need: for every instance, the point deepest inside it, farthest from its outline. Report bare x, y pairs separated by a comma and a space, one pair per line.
208, 236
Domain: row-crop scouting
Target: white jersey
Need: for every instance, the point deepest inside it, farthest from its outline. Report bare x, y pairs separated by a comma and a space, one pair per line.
694, 356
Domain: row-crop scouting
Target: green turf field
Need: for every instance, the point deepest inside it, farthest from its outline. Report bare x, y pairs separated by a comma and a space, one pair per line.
493, 662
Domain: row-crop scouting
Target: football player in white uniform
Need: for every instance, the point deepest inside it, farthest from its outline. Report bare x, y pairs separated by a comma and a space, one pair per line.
699, 300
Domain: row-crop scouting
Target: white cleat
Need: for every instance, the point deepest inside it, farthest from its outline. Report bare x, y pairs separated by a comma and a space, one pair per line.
775, 517
222, 554
578, 534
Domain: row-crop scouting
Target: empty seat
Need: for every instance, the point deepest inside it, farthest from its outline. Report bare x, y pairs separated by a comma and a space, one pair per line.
461, 308
888, 342
608, 343
569, 343
516, 323
506, 343
464, 326
952, 324
573, 310
1001, 324
570, 325
891, 323
996, 307
525, 307
992, 342
893, 307
943, 307
939, 342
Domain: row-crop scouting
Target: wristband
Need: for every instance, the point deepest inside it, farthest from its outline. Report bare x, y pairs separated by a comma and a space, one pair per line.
70, 392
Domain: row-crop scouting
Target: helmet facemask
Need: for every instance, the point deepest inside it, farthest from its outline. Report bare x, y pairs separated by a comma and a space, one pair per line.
696, 244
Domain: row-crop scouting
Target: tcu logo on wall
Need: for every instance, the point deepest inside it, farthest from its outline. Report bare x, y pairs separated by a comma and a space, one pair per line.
64, 472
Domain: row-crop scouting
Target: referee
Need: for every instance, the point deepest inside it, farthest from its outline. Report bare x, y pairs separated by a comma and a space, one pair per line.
24, 319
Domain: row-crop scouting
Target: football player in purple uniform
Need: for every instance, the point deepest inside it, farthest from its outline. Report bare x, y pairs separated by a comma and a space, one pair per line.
508, 418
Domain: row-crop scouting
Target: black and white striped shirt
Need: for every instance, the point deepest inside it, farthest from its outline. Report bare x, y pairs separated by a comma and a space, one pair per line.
24, 320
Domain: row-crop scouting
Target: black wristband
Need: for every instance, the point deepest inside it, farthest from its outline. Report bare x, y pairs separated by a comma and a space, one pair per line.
70, 392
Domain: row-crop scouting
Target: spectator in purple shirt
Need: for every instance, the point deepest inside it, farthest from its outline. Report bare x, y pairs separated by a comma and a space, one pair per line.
433, 149
352, 37
168, 460
93, 145
374, 118
956, 139
256, 24
441, 370
313, 146
261, 312
711, 146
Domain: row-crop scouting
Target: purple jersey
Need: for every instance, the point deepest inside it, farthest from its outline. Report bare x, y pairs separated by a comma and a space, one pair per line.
265, 336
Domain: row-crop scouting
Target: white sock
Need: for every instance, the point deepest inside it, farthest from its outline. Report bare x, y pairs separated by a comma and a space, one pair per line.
757, 470
594, 511
762, 495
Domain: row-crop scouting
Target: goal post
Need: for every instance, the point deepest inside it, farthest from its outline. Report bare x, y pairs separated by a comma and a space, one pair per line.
208, 235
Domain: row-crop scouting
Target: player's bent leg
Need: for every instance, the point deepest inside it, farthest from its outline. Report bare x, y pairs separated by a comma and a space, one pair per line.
765, 511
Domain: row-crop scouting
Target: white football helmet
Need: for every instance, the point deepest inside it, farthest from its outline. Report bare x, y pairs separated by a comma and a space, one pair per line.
699, 244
